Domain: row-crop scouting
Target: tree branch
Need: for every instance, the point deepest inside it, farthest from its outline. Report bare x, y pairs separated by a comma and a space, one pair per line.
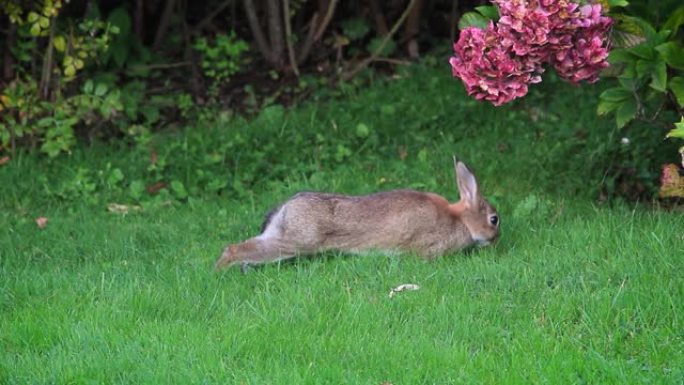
380, 22
316, 33
364, 63
308, 42
453, 17
46, 74
163, 24
326, 20
288, 37
204, 22
139, 20
8, 58
258, 34
275, 31
412, 29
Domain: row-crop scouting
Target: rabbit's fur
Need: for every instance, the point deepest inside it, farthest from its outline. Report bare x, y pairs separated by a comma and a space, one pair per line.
398, 220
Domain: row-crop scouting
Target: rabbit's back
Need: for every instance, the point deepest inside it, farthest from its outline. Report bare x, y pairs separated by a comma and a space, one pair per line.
392, 220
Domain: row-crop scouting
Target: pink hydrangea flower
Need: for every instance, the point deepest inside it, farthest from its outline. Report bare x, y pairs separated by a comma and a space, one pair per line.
489, 70
588, 53
498, 63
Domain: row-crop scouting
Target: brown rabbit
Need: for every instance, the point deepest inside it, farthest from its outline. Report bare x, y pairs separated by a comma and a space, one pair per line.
398, 220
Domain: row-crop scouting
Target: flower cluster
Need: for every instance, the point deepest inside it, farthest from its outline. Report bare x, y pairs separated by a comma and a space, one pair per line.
499, 62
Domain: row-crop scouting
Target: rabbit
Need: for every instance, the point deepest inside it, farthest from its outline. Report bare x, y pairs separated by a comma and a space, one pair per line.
404, 221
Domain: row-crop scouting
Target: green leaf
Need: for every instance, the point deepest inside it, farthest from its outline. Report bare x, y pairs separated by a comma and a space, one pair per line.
136, 189
675, 21
88, 87
119, 17
44, 22
617, 3
605, 107
35, 29
362, 130
645, 68
355, 28
643, 51
115, 177
620, 56
616, 94
472, 19
635, 25
672, 53
151, 113
32, 17
389, 48
488, 11
622, 39
659, 76
678, 131
676, 85
119, 49
70, 71
179, 189
59, 43
625, 113
100, 89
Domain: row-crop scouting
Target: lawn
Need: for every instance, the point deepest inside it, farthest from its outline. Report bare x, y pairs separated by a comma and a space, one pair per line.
574, 292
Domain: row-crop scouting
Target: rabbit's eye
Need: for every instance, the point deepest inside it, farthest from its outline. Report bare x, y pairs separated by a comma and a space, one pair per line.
494, 220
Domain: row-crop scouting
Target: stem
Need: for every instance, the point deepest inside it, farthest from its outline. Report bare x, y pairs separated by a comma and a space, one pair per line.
8, 59
46, 73
275, 31
138, 20
316, 33
412, 29
380, 22
204, 22
363, 64
257, 32
452, 19
288, 37
163, 24
326, 20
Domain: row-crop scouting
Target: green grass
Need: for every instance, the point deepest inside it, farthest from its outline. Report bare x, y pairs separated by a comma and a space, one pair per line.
573, 292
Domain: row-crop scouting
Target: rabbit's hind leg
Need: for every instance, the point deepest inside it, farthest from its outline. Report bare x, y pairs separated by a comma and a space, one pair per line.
253, 251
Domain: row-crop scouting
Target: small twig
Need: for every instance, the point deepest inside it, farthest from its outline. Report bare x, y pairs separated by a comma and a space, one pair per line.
380, 22
308, 42
164, 23
257, 32
275, 31
139, 19
326, 20
452, 19
46, 75
288, 37
316, 33
392, 61
163, 65
204, 22
364, 63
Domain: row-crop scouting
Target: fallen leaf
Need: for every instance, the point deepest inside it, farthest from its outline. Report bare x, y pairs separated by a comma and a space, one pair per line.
671, 183
400, 288
41, 222
4, 160
403, 152
154, 188
122, 209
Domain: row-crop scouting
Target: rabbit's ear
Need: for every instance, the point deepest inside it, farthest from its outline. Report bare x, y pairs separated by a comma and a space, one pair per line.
467, 185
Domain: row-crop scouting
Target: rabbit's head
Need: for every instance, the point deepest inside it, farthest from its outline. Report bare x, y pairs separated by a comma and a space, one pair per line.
475, 212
